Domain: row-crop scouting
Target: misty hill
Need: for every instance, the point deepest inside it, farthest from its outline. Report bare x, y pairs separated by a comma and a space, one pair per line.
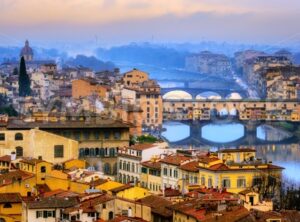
90, 62
146, 53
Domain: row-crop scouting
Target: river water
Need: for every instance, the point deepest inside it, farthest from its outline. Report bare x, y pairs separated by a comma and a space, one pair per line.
285, 155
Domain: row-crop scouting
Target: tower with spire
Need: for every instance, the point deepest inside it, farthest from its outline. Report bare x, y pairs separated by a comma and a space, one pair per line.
27, 52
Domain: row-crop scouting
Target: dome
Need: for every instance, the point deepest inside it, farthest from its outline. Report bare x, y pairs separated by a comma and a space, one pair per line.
26, 50
208, 95
177, 95
234, 96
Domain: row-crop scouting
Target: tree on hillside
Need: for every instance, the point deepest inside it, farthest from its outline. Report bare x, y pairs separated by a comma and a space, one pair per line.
16, 71
24, 81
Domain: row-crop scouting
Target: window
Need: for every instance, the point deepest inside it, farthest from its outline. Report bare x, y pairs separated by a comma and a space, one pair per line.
104, 206
2, 136
175, 173
241, 182
226, 183
19, 136
7, 205
209, 182
39, 214
106, 135
58, 151
144, 170
120, 165
203, 181
170, 172
165, 172
43, 169
19, 151
117, 135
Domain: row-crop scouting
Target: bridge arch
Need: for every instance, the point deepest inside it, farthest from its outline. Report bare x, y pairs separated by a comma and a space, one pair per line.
178, 95
208, 95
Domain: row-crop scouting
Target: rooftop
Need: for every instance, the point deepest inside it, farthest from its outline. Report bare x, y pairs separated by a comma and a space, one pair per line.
51, 203
175, 159
10, 198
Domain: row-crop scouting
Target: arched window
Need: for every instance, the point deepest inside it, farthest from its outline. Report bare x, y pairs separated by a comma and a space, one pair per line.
115, 169
112, 152
19, 151
124, 179
110, 215
107, 169
120, 165
120, 178
97, 151
18, 136
92, 152
86, 151
124, 165
81, 152
101, 152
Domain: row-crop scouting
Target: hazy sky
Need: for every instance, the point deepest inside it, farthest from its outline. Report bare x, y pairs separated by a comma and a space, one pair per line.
117, 21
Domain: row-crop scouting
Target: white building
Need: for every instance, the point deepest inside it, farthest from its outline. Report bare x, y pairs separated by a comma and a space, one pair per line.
130, 158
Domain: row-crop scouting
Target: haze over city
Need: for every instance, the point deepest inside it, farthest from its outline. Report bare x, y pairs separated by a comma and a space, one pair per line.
149, 110
111, 22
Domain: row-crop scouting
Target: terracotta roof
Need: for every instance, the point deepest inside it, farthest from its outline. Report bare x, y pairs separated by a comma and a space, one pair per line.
191, 166
60, 193
6, 158
158, 205
8, 178
207, 159
175, 159
170, 192
95, 123
126, 219
224, 167
118, 189
51, 202
10, 198
31, 161
142, 146
152, 164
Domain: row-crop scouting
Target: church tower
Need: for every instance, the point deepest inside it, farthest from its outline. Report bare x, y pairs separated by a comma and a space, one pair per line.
27, 52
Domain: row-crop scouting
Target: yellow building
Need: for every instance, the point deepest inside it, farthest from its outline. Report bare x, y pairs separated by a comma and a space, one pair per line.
133, 193
80, 164
237, 155
88, 87
134, 77
38, 167
239, 175
151, 176
37, 144
10, 207
18, 182
147, 96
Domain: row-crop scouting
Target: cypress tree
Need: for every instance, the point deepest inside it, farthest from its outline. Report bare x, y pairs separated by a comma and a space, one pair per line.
24, 81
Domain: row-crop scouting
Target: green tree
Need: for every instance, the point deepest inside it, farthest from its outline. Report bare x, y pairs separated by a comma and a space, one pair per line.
16, 71
24, 81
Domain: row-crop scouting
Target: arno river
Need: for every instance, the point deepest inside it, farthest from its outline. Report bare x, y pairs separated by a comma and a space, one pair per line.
271, 143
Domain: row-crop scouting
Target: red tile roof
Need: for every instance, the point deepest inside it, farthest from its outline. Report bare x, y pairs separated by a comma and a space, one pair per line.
191, 166
6, 158
151, 164
10, 198
176, 159
142, 146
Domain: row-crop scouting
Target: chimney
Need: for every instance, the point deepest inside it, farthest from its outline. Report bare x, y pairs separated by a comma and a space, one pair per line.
13, 156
